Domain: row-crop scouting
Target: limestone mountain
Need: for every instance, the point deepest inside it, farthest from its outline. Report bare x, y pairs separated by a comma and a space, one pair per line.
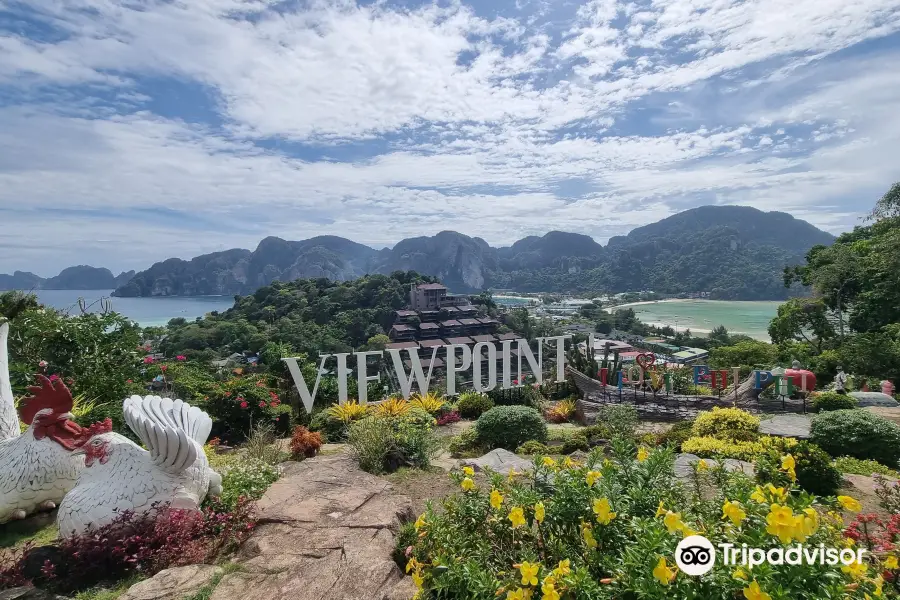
555, 249
82, 277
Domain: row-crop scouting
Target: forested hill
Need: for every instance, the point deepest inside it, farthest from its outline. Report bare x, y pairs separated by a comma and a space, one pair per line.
734, 252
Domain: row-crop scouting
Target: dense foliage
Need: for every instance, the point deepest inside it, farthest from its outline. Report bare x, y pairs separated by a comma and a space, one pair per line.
811, 469
857, 433
510, 426
384, 443
607, 528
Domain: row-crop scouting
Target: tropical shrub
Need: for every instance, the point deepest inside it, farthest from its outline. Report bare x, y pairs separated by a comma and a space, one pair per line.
392, 407
384, 444
710, 447
532, 447
429, 403
856, 466
825, 401
472, 405
447, 418
305, 443
145, 544
561, 412
608, 529
574, 442
241, 402
347, 412
857, 433
523, 395
726, 424
334, 422
809, 466
465, 445
245, 478
676, 435
620, 420
509, 426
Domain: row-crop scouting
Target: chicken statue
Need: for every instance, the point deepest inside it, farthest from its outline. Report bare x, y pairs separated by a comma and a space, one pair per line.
121, 476
37, 467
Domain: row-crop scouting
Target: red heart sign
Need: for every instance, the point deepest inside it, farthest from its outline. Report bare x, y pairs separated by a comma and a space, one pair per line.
646, 360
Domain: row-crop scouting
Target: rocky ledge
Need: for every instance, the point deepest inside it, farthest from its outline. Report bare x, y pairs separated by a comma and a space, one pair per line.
325, 531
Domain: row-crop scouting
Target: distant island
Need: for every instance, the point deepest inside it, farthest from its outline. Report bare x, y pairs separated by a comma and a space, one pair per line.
82, 277
724, 252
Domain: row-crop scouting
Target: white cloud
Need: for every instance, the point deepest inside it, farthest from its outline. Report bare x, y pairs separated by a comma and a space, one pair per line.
440, 118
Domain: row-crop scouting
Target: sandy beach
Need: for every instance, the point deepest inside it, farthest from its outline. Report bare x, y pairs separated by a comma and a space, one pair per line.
611, 309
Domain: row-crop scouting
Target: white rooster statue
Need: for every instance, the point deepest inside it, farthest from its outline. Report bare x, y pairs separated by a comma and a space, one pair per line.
37, 467
121, 476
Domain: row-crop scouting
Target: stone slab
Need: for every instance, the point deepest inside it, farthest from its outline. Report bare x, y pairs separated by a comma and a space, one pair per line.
173, 584
795, 426
866, 399
500, 461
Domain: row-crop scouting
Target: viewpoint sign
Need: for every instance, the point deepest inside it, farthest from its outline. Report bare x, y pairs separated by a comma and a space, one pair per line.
480, 359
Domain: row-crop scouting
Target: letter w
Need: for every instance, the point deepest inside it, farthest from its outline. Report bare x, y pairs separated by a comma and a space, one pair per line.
416, 372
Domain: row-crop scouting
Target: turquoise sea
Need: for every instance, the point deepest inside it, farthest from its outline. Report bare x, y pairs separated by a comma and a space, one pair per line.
701, 316
146, 311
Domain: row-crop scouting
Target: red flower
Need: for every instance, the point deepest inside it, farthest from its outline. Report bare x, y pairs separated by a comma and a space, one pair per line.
54, 378
260, 383
148, 360
128, 381
180, 357
273, 395
228, 394
272, 404
163, 368
244, 404
262, 404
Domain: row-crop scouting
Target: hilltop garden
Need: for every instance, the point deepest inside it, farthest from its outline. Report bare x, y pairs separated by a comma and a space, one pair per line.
587, 504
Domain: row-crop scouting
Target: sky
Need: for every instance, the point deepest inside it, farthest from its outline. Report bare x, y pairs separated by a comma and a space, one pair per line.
136, 130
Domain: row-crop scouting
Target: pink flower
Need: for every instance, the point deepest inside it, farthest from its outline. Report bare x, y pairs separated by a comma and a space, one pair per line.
148, 360
244, 404
43, 364
228, 394
273, 395
54, 378
128, 381
272, 404
277, 418
163, 368
180, 357
260, 384
262, 404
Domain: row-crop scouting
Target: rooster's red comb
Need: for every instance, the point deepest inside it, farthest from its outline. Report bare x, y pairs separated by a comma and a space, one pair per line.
49, 394
100, 427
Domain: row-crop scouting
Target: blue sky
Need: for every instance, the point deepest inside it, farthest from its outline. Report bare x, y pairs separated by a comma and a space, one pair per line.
133, 131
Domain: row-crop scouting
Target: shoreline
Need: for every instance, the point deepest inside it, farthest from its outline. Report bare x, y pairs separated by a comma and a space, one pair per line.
611, 309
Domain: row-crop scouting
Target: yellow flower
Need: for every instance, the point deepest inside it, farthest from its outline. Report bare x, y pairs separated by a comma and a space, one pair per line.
758, 495
469, 471
564, 568
539, 512
512, 474
702, 465
788, 463
467, 484
890, 563
420, 522
549, 580
496, 499
529, 573
588, 534
879, 583
849, 503
569, 463
663, 573
739, 574
673, 522
412, 564
518, 594
549, 462
660, 510
856, 570
754, 593
418, 579
603, 512
733, 511
778, 494
592, 476
781, 522
549, 591
516, 517
642, 454
806, 524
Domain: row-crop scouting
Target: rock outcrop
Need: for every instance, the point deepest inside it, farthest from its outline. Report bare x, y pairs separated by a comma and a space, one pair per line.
174, 584
325, 531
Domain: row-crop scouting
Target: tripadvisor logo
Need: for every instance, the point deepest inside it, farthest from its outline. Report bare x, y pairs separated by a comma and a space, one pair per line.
696, 555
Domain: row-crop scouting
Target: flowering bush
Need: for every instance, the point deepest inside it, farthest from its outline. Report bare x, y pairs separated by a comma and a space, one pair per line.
241, 402
811, 468
304, 443
608, 529
726, 424
447, 418
245, 479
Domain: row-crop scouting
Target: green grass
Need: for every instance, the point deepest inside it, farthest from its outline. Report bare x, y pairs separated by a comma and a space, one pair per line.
206, 592
38, 530
104, 593
847, 464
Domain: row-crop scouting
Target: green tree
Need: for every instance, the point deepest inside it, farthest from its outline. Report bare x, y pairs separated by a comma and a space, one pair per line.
747, 355
888, 206
378, 342
802, 319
